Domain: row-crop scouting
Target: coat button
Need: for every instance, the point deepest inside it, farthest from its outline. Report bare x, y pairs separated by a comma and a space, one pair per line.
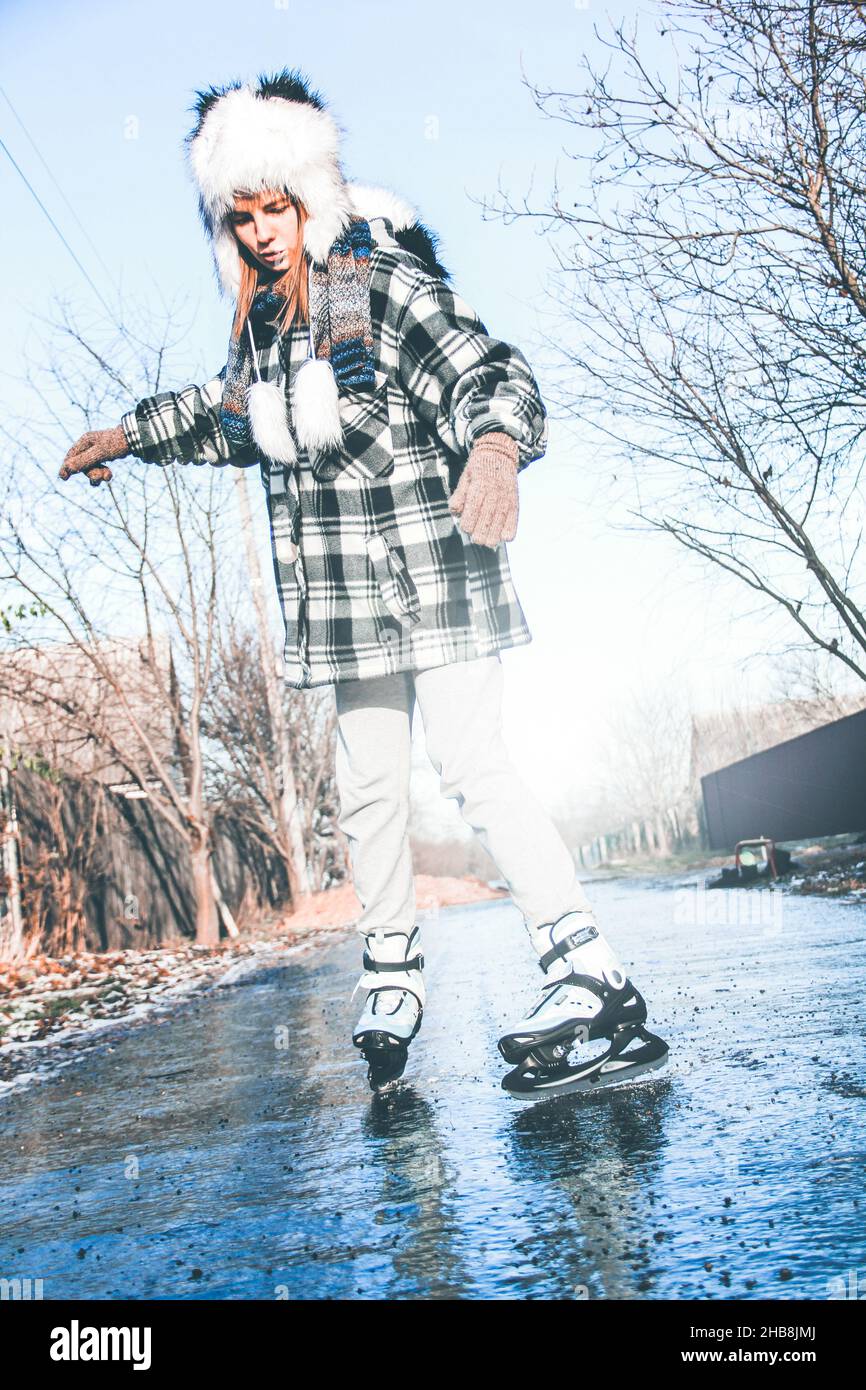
286, 549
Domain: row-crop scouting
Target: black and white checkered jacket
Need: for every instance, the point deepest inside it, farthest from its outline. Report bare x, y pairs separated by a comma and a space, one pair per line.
374, 576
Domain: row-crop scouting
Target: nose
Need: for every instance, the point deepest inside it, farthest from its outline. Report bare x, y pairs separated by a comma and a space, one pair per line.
264, 231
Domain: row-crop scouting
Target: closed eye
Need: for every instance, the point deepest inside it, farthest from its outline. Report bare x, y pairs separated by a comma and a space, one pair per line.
276, 208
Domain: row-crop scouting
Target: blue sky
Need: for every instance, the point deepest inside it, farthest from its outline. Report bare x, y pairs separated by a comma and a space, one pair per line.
432, 103
434, 110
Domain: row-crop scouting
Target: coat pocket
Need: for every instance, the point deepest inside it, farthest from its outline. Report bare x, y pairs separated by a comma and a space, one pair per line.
396, 586
368, 448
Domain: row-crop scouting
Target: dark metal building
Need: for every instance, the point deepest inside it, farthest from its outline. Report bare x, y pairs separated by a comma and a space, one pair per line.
813, 785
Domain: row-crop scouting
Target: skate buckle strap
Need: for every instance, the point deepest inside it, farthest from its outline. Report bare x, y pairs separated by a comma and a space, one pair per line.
568, 943
384, 967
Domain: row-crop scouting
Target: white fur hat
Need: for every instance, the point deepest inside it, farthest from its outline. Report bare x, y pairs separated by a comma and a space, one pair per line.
274, 133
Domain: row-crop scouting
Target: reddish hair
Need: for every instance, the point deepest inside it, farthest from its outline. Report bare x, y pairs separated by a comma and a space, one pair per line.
291, 285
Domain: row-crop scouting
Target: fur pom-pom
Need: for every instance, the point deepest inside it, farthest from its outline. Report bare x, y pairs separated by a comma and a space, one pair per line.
316, 406
268, 422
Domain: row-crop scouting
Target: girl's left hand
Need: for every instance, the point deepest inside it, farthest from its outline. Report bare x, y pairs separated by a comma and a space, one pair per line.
485, 499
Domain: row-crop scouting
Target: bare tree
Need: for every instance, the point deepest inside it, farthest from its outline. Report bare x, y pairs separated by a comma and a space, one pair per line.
144, 556
312, 731
246, 764
710, 266
808, 682
647, 762
285, 809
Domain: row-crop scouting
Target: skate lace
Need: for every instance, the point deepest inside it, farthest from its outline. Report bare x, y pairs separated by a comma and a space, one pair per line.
377, 999
567, 986
380, 1005
548, 993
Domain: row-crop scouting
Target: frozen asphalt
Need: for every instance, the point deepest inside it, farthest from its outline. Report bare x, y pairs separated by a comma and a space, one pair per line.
233, 1150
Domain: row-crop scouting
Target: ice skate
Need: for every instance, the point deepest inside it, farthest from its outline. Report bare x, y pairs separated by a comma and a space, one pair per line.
394, 1005
588, 998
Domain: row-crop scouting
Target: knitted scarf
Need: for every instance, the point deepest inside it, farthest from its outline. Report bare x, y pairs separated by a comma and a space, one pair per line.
341, 330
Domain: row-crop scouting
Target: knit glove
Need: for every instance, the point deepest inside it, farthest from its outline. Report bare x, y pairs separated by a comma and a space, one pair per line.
485, 499
88, 454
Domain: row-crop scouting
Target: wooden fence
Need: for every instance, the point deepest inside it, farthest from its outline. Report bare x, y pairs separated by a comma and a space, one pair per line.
132, 876
656, 837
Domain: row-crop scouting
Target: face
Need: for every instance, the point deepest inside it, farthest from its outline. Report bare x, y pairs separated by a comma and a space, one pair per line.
267, 226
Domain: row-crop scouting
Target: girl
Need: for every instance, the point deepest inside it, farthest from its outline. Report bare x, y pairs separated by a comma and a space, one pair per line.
390, 429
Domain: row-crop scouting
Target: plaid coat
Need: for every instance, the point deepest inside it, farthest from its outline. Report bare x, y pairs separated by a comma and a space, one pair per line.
374, 576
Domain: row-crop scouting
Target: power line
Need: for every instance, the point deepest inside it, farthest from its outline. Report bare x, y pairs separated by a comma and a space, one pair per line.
43, 161
32, 190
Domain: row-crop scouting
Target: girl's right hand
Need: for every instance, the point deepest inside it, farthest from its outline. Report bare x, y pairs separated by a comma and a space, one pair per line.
89, 453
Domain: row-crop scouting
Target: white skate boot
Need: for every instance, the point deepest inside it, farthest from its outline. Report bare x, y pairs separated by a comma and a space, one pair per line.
588, 997
394, 1006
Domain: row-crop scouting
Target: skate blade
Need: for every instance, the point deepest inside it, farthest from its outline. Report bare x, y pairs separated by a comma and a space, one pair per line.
383, 1079
387, 1088
615, 1073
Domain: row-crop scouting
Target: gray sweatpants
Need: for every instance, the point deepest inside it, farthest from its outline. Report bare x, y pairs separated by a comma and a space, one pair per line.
461, 706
